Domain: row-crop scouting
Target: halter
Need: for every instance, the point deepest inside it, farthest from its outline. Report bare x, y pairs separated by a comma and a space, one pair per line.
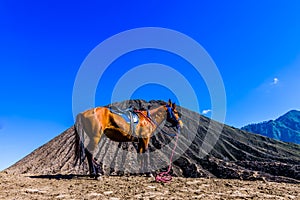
172, 115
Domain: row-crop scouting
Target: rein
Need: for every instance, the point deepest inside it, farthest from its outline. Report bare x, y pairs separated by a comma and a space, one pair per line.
166, 177
163, 177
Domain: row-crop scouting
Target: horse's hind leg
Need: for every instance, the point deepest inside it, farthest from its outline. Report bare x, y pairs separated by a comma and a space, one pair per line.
92, 167
92, 129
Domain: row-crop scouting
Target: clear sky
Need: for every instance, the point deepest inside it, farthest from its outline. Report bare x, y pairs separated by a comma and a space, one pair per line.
254, 44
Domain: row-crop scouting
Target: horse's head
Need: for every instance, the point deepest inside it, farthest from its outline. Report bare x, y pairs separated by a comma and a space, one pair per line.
173, 115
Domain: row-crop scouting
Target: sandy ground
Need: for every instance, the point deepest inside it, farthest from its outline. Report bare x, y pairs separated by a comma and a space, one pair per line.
69, 187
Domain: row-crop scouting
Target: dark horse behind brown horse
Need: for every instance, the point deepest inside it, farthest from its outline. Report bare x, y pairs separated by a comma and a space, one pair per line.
95, 122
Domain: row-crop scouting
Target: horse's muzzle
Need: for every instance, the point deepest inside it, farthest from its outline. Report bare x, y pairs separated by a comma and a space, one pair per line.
180, 124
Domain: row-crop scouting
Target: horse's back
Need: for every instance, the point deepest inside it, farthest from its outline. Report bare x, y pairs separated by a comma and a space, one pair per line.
94, 113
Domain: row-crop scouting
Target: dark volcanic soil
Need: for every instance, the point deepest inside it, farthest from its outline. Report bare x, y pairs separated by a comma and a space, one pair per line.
237, 154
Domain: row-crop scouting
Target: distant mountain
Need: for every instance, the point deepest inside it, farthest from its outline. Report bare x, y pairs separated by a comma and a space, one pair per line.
286, 128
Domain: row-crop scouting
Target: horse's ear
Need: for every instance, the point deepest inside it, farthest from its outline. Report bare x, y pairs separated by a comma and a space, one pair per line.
174, 106
170, 103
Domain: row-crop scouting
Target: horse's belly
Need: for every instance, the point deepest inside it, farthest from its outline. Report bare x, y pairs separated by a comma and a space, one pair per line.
117, 136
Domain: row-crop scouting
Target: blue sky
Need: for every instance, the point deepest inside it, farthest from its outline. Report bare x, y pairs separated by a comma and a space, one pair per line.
255, 45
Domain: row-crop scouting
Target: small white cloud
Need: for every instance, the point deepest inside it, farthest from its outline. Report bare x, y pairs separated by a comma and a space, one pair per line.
204, 112
275, 81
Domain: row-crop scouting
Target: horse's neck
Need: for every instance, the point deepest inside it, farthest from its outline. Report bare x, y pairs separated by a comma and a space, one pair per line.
158, 114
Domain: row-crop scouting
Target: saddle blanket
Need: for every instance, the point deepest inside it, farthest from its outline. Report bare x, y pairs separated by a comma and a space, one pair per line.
128, 115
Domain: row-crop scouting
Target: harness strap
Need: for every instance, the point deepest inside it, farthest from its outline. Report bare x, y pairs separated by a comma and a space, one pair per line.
129, 114
148, 117
153, 122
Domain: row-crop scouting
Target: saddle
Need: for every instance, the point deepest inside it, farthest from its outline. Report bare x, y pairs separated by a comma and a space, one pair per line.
128, 115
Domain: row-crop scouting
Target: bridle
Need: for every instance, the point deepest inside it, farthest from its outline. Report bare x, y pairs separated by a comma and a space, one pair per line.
171, 114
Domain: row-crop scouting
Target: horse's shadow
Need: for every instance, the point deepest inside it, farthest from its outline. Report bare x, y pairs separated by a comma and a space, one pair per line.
62, 176
79, 176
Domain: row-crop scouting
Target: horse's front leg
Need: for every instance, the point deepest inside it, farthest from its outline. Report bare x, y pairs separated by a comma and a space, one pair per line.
143, 156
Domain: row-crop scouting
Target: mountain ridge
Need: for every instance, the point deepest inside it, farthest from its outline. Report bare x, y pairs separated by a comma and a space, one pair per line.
285, 128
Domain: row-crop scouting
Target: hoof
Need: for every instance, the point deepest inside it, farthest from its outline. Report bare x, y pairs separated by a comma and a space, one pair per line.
95, 176
149, 175
92, 175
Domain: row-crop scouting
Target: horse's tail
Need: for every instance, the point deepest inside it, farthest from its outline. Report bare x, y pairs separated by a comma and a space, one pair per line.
79, 145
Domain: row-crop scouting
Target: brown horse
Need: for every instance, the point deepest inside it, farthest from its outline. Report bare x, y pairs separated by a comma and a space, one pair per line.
95, 122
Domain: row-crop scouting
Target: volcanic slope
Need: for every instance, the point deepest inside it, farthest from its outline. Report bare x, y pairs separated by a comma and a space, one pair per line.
236, 154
